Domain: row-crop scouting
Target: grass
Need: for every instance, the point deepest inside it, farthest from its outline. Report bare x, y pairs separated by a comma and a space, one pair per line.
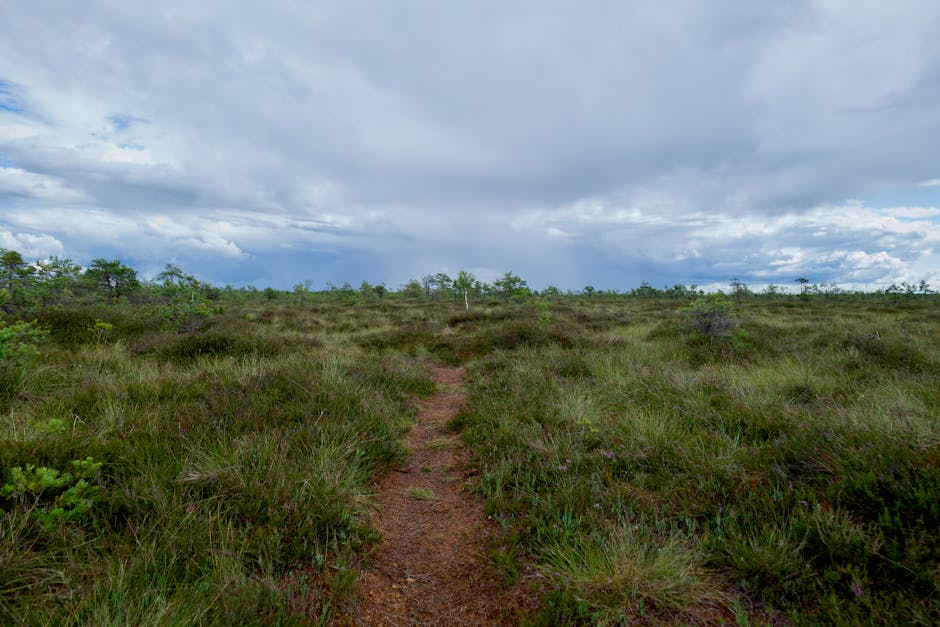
788, 471
229, 458
421, 494
440, 444
630, 576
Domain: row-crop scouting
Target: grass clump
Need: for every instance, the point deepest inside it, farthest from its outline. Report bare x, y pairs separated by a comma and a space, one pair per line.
421, 494
627, 577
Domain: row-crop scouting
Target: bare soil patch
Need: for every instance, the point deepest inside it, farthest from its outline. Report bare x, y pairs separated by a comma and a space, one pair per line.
428, 570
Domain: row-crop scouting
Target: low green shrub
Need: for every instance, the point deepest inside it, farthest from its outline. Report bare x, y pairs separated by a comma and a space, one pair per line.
187, 347
68, 326
712, 316
517, 334
51, 496
19, 350
471, 317
19, 343
406, 337
186, 316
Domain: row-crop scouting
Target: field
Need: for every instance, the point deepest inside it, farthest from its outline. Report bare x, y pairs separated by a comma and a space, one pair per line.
787, 471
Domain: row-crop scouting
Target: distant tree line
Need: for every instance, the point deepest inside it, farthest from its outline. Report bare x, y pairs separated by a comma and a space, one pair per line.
58, 281
177, 296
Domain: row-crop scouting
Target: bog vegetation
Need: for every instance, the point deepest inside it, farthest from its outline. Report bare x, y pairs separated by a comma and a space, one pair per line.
178, 453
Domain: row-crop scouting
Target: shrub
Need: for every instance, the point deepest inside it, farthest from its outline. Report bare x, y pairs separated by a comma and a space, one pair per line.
468, 317
18, 343
516, 334
712, 316
184, 317
543, 311
55, 497
403, 337
187, 347
18, 348
67, 327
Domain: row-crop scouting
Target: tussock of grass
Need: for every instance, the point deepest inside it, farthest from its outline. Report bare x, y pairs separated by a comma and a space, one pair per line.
627, 577
421, 494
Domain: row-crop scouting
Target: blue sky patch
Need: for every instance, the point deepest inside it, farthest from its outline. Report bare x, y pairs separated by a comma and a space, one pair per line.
121, 122
8, 99
907, 196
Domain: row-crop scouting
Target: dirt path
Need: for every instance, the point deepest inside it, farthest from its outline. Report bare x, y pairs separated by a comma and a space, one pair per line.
428, 570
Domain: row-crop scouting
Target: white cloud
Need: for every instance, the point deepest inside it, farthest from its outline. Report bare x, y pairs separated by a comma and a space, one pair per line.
914, 212
213, 243
607, 143
843, 243
18, 182
31, 245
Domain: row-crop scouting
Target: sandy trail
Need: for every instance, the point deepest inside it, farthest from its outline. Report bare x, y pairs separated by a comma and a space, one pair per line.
428, 569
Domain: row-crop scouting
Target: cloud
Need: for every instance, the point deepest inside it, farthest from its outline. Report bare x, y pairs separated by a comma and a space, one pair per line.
850, 244
608, 143
30, 244
18, 182
914, 212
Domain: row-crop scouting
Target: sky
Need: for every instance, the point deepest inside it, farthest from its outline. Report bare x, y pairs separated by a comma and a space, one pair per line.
571, 142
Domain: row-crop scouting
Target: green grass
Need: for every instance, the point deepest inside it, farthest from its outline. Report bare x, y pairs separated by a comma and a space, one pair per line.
793, 469
629, 576
786, 472
421, 494
230, 458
